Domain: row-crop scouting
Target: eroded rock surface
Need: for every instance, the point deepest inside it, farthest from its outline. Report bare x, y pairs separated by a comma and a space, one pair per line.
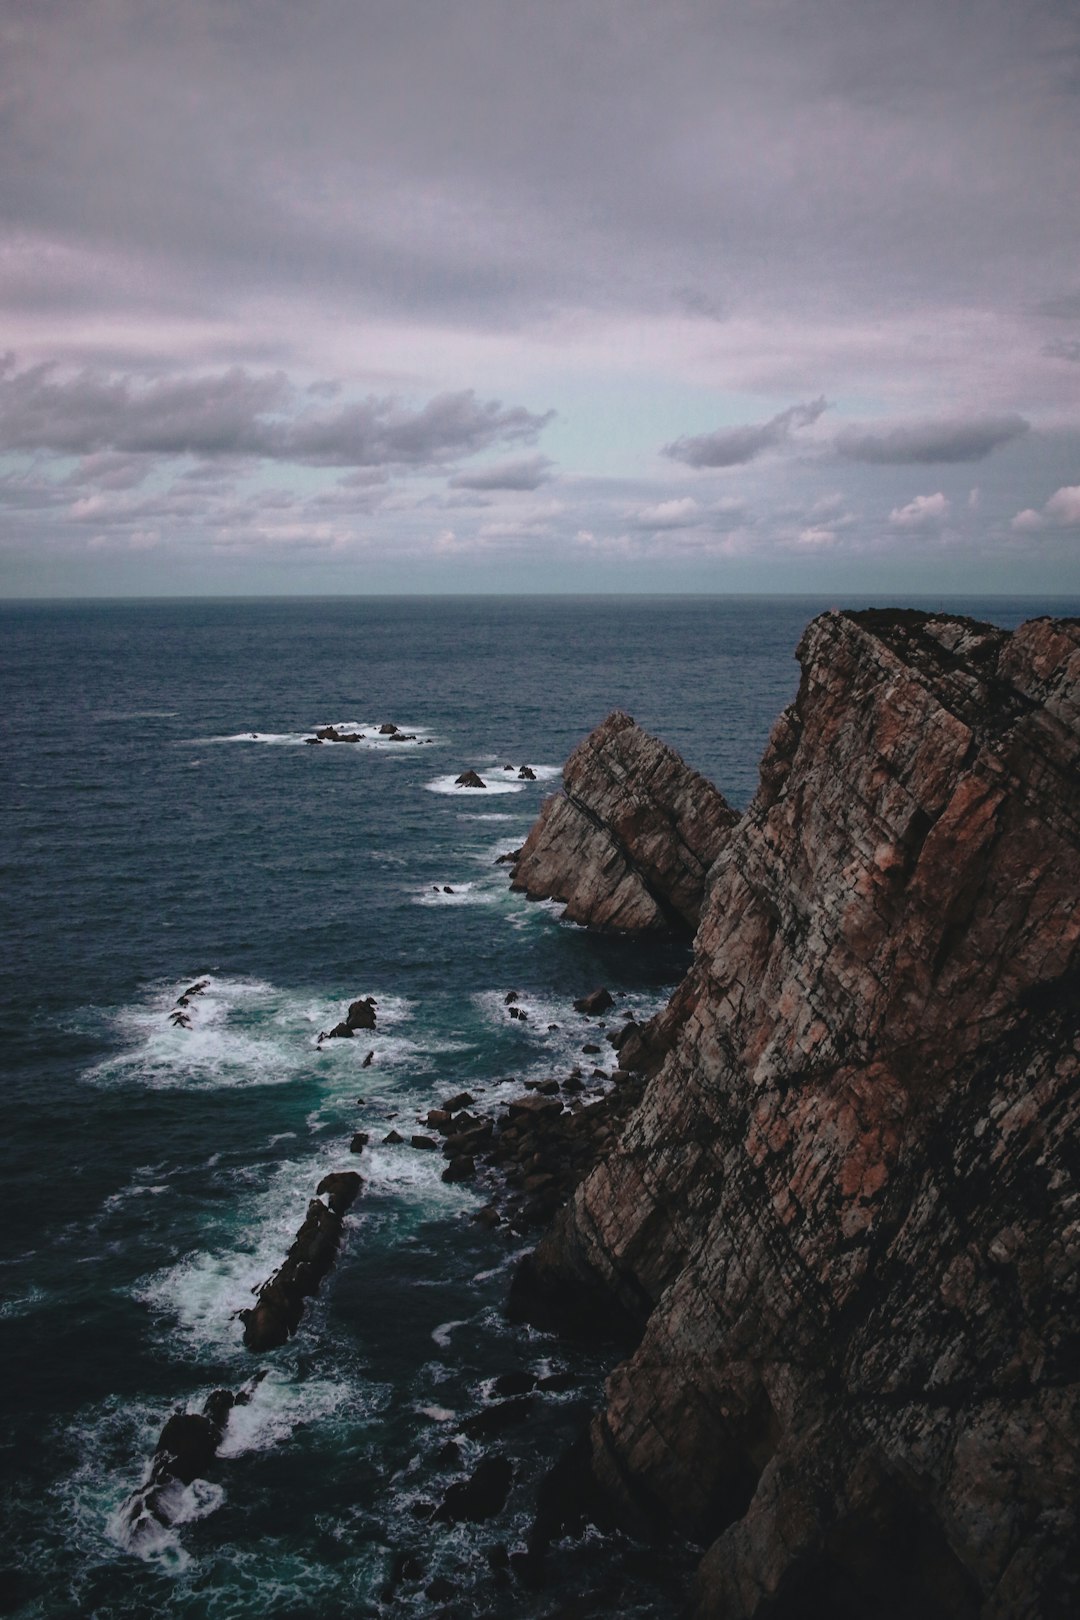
629, 842
844, 1213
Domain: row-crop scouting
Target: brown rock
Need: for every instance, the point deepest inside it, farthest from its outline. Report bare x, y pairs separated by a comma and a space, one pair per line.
597, 1001
843, 1213
470, 779
628, 843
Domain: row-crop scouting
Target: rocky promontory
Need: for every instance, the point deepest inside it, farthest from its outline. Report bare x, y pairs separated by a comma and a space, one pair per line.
844, 1212
627, 844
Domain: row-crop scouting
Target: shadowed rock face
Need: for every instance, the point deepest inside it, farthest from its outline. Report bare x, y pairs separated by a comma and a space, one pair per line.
628, 845
845, 1210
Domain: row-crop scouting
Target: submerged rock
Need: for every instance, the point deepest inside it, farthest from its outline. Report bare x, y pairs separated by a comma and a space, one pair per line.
842, 1216
481, 1496
629, 842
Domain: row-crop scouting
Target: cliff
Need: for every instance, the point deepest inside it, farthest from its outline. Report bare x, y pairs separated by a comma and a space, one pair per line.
628, 843
844, 1213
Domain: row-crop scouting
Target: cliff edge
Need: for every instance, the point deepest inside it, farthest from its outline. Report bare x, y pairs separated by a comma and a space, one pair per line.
844, 1213
627, 845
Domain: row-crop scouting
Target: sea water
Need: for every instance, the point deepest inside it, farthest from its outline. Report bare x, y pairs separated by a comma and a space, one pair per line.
165, 822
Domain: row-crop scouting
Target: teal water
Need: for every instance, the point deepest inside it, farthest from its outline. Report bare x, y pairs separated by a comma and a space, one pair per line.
154, 1175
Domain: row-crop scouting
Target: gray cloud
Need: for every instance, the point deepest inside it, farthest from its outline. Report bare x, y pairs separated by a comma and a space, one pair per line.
236, 413
733, 447
927, 442
1063, 349
526, 474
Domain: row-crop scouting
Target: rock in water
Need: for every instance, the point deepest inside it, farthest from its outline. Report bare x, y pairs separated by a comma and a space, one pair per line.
470, 779
361, 1014
597, 1001
843, 1213
628, 843
481, 1496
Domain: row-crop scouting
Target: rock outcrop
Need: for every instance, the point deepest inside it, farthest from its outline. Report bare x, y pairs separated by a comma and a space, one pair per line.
628, 843
844, 1213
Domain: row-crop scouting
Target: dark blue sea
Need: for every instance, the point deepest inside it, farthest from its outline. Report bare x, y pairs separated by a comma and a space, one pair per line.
164, 822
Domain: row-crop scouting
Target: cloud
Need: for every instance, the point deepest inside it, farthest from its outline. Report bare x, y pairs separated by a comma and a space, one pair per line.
674, 514
1063, 349
526, 474
733, 447
925, 442
924, 512
238, 413
1061, 511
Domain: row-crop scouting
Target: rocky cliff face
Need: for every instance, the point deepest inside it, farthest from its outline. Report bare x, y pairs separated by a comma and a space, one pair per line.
845, 1211
628, 843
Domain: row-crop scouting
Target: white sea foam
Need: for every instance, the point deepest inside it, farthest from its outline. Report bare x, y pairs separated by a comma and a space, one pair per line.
495, 780
24, 1304
492, 784
278, 1404
152, 1536
442, 1333
462, 894
494, 815
239, 1033
367, 731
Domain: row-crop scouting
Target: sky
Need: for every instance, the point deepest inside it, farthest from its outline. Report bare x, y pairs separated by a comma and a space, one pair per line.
369, 296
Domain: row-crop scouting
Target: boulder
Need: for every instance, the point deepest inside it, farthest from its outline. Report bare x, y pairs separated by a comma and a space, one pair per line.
629, 842
461, 1099
597, 1001
342, 1188
479, 1497
460, 1168
470, 779
361, 1014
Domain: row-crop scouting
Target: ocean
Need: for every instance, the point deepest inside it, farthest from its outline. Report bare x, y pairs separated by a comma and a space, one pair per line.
166, 823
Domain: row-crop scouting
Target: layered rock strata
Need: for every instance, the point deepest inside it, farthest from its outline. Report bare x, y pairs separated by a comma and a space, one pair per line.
628, 843
844, 1213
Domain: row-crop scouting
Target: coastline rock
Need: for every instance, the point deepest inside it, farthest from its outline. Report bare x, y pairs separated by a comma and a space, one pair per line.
275, 1316
361, 1014
597, 1001
628, 843
470, 779
843, 1214
481, 1496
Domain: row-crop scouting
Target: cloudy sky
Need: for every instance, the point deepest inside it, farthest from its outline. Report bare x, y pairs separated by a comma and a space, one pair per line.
381, 295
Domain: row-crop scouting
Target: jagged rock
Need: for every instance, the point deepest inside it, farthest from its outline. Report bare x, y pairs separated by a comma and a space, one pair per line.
342, 1188
526, 774
481, 1496
511, 858
461, 1168
470, 779
843, 1214
461, 1099
393, 1139
597, 1001
361, 1014
332, 734
387, 729
629, 842
279, 1303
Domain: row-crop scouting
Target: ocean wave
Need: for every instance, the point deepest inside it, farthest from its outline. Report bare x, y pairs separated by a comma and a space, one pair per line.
237, 1032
